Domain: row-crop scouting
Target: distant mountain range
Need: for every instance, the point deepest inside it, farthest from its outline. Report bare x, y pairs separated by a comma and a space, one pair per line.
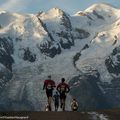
84, 48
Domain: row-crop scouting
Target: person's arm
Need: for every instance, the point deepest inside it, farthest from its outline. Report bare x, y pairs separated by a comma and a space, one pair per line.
44, 85
58, 87
68, 88
77, 103
72, 105
53, 98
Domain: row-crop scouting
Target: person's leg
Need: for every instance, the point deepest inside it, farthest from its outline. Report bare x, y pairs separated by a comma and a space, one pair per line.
61, 101
57, 105
49, 96
64, 99
49, 100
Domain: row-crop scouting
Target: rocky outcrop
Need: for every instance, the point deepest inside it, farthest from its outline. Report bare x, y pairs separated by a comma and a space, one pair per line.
86, 90
97, 15
59, 39
77, 56
5, 76
113, 61
6, 61
111, 92
29, 56
50, 49
81, 34
6, 50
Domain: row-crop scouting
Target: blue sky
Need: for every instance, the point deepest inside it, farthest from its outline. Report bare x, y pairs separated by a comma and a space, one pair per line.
34, 6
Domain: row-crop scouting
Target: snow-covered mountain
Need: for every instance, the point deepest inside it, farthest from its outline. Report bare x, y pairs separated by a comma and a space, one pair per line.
84, 48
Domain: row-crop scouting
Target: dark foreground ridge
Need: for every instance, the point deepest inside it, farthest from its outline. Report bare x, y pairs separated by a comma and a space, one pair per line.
112, 114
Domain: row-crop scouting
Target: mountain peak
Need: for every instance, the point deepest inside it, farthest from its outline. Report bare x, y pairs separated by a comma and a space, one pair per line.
56, 11
56, 8
52, 13
100, 6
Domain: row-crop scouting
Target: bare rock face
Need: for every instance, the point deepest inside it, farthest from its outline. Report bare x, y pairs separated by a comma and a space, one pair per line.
6, 61
29, 56
81, 34
86, 89
61, 38
6, 50
113, 61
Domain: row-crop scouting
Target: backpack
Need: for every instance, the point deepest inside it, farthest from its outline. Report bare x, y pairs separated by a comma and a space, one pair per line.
74, 105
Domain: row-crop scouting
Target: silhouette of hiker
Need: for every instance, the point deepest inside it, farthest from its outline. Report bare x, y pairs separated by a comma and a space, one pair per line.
56, 98
49, 87
63, 88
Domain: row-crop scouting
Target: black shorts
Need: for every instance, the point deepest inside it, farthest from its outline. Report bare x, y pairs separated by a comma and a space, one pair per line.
63, 95
49, 93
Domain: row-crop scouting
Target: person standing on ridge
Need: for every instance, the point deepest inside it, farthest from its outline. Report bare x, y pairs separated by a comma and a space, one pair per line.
49, 85
56, 98
63, 88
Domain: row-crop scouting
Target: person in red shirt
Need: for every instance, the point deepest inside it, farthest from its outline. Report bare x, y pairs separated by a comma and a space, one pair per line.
63, 88
49, 87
